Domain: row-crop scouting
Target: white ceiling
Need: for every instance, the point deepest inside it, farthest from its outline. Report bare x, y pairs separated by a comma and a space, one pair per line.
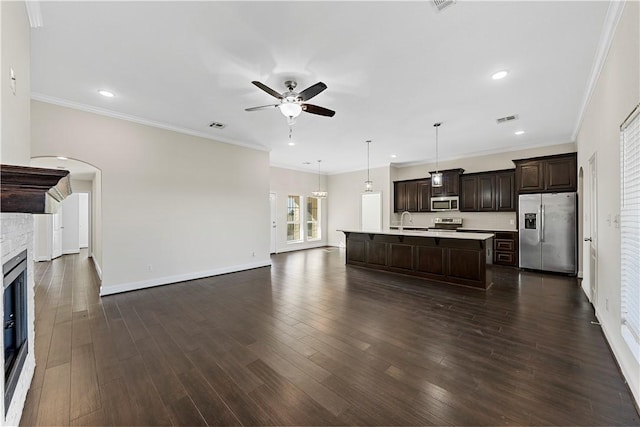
392, 69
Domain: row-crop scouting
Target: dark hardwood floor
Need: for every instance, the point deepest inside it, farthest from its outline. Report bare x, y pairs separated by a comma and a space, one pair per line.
311, 341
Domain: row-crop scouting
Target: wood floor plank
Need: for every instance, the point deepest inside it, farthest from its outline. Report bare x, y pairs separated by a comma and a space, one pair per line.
208, 402
85, 394
53, 408
311, 341
325, 397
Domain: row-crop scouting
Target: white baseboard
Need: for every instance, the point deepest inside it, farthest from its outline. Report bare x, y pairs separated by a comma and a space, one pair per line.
97, 266
42, 258
70, 251
159, 281
301, 247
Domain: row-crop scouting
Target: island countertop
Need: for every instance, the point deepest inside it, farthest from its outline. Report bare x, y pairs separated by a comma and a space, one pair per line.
426, 233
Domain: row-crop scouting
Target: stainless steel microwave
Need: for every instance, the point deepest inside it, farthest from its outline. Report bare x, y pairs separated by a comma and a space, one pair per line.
440, 204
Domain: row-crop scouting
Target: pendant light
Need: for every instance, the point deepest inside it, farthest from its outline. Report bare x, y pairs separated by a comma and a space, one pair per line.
368, 183
436, 177
319, 194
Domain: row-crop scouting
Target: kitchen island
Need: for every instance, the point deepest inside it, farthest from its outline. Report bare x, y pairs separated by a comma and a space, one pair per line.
443, 256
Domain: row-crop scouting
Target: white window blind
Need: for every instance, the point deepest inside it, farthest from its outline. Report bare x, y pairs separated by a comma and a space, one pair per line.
630, 230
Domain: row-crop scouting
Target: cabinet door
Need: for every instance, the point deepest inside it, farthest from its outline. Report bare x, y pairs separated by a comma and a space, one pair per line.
505, 192
412, 196
451, 183
399, 196
531, 176
486, 192
560, 174
469, 193
424, 195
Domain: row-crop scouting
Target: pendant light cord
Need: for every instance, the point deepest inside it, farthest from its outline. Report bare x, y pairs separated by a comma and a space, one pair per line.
368, 145
437, 125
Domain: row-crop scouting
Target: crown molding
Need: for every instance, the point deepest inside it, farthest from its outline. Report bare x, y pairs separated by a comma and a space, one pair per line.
614, 13
116, 115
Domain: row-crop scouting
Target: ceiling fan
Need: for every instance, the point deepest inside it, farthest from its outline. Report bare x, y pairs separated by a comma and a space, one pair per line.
293, 103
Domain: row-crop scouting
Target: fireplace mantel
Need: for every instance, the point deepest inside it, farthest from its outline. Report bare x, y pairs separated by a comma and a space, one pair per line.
32, 190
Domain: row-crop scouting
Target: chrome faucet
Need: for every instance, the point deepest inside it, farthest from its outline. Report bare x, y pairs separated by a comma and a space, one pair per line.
402, 219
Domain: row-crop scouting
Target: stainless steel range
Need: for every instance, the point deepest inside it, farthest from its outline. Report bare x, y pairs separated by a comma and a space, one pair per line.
446, 224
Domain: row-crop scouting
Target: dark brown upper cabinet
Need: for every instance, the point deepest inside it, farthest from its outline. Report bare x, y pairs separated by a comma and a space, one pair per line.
547, 174
424, 195
450, 183
506, 191
468, 193
488, 191
410, 195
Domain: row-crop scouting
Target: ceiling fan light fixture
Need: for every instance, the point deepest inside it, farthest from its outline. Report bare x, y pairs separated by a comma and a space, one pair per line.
290, 109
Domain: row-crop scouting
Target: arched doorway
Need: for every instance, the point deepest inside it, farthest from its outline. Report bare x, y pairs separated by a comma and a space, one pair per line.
78, 223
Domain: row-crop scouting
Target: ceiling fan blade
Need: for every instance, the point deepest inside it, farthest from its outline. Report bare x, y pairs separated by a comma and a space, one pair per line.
314, 109
312, 91
262, 107
267, 89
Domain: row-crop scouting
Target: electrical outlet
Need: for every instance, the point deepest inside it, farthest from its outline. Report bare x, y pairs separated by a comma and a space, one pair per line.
149, 267
512, 222
13, 82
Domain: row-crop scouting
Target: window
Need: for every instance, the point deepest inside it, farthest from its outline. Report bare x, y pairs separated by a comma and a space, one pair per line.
313, 218
630, 230
293, 219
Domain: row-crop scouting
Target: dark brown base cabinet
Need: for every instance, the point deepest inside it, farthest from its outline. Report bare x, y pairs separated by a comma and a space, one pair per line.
453, 261
505, 248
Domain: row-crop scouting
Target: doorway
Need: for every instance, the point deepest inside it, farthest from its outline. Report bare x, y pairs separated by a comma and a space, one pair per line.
274, 223
591, 233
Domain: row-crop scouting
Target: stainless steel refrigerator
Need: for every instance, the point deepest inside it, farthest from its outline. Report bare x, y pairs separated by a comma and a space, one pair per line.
547, 229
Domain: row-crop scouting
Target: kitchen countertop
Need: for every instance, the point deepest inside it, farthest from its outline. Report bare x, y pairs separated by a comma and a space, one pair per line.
423, 233
511, 230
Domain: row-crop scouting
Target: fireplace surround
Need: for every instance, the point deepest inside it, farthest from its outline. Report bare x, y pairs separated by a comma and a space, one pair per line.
15, 322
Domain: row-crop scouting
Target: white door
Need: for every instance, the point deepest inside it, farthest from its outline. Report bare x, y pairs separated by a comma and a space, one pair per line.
274, 235
70, 224
56, 241
592, 236
83, 219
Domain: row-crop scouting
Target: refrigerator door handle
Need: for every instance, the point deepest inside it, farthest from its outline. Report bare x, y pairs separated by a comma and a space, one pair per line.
542, 223
539, 225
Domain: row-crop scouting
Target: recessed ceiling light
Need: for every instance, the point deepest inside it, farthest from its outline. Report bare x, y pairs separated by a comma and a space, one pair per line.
61, 158
291, 144
519, 132
393, 156
106, 93
499, 75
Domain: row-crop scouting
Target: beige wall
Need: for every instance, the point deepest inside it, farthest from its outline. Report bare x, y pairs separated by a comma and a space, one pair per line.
345, 190
285, 182
14, 126
617, 92
174, 207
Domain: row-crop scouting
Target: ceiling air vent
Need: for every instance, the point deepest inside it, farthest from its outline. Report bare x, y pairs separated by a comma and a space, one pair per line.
216, 125
507, 119
442, 4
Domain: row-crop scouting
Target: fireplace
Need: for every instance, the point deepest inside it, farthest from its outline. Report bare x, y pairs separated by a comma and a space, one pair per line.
15, 322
